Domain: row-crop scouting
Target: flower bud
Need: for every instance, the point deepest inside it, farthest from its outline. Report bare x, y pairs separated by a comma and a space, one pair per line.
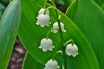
43, 20
56, 27
51, 64
46, 44
71, 49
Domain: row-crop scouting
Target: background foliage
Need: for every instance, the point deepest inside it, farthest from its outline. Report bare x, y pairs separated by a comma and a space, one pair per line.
83, 21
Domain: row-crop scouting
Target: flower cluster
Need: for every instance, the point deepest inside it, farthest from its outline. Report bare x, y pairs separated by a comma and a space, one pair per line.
46, 44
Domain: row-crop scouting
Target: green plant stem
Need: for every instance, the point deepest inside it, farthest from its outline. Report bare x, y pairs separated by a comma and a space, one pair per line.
69, 41
45, 2
48, 33
61, 35
58, 52
62, 43
10, 1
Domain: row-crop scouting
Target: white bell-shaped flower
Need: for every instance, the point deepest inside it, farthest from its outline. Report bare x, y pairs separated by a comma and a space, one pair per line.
56, 27
42, 11
49, 0
51, 64
46, 44
43, 19
71, 49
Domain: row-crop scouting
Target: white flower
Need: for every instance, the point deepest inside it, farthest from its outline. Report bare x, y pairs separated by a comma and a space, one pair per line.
71, 50
56, 27
51, 64
50, 0
43, 19
46, 44
42, 11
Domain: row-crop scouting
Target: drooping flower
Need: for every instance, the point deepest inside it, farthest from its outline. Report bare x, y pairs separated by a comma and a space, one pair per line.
43, 11
71, 49
51, 64
49, 0
43, 19
56, 27
46, 44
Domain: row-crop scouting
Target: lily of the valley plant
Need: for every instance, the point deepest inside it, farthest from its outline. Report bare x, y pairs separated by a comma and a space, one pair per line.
57, 34
46, 44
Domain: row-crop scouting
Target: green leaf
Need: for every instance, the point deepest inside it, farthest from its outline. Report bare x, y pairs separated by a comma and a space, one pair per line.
89, 17
30, 35
1, 9
8, 31
99, 2
102, 6
67, 2
31, 63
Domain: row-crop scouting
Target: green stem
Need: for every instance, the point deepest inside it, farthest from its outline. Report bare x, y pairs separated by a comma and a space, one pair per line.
10, 1
61, 35
69, 41
45, 2
58, 52
62, 43
48, 33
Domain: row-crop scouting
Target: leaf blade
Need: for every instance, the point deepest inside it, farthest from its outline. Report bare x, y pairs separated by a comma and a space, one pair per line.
31, 34
8, 31
87, 17
31, 63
